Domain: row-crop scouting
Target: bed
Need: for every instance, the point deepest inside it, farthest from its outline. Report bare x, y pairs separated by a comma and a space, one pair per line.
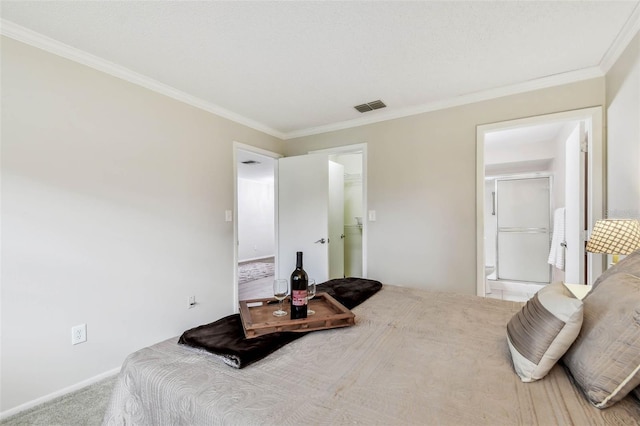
413, 357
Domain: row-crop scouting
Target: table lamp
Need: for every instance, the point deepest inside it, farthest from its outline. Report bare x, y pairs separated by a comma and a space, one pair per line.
615, 237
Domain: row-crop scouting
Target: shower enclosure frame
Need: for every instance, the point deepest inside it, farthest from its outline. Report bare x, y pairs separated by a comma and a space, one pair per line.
547, 229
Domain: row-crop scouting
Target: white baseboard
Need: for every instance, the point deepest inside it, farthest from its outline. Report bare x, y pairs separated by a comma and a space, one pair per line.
253, 259
27, 405
512, 286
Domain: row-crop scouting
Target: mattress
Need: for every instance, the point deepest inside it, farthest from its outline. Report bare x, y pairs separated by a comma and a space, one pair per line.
413, 357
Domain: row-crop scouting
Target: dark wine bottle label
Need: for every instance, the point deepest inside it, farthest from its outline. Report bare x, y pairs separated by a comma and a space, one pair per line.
299, 297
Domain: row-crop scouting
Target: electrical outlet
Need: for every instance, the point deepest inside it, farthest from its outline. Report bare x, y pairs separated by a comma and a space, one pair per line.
79, 334
192, 302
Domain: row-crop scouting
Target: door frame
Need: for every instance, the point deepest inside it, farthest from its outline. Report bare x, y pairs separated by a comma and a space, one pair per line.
237, 146
360, 148
596, 181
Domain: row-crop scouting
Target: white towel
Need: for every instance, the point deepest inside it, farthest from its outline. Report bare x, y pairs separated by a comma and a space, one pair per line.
556, 254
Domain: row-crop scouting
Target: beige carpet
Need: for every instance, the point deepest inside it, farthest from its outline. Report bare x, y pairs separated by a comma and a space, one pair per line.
82, 407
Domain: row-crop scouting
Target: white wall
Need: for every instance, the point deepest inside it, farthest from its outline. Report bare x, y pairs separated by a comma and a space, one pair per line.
113, 201
518, 151
421, 182
256, 221
623, 134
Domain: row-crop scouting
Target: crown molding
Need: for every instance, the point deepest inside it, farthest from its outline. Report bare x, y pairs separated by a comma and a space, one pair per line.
17, 32
630, 29
541, 83
25, 35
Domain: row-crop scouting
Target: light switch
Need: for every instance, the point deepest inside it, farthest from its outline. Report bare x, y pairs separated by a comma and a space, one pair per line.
372, 215
228, 215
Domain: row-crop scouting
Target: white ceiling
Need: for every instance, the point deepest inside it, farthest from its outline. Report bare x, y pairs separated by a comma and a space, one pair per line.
298, 67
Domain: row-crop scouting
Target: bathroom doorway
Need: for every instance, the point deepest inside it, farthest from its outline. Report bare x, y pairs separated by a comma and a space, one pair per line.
255, 224
354, 160
544, 151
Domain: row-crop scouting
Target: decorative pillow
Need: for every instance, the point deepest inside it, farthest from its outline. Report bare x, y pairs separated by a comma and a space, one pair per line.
605, 358
630, 264
543, 330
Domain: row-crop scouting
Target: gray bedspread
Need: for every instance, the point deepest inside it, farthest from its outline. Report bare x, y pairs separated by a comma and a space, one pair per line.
413, 357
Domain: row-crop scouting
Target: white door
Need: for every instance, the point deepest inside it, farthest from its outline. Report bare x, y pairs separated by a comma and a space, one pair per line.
575, 205
303, 214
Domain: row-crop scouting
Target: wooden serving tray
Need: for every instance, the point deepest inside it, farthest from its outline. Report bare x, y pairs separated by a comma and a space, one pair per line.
258, 319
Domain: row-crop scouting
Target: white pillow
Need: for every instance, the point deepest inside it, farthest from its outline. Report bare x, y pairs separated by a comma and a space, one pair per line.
543, 330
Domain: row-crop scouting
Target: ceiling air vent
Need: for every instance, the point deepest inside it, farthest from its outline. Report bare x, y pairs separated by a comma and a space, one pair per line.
250, 162
363, 108
370, 106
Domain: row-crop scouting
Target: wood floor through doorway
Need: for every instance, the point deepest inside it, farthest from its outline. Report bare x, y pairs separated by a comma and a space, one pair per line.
255, 279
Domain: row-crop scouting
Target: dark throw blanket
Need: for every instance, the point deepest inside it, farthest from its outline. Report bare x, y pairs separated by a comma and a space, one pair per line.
225, 337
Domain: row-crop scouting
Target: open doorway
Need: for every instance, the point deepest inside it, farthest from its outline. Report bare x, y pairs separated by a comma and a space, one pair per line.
246, 159
560, 155
354, 234
255, 221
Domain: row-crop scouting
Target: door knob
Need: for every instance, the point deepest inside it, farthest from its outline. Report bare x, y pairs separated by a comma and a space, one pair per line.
342, 236
321, 241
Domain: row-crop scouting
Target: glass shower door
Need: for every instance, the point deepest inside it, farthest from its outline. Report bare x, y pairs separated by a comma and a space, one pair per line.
523, 217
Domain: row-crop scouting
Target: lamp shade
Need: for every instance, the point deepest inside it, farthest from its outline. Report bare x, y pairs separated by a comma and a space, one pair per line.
615, 236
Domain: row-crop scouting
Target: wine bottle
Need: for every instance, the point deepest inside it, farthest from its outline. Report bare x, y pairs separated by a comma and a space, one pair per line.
299, 286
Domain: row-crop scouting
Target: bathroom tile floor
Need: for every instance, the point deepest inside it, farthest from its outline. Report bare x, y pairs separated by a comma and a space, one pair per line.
514, 291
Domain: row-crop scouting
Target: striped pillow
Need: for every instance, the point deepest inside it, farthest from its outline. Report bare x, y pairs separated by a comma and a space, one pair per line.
605, 358
543, 330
